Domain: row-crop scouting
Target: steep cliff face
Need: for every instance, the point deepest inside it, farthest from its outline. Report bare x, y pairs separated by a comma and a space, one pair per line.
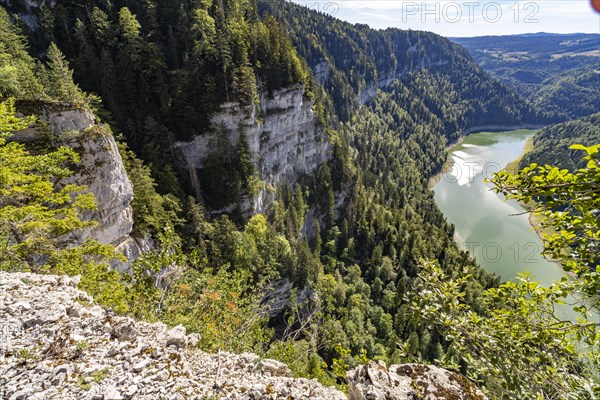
283, 136
101, 170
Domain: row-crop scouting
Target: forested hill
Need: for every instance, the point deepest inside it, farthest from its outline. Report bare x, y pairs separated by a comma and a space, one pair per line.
175, 61
558, 73
163, 68
353, 60
551, 144
172, 61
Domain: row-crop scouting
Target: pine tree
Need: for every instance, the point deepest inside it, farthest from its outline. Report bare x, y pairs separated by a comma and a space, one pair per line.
17, 77
244, 84
224, 45
101, 28
300, 207
129, 27
204, 32
318, 241
197, 217
59, 78
152, 213
326, 196
306, 268
244, 166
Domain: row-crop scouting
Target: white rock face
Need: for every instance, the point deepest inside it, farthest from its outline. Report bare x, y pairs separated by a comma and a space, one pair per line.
132, 247
62, 121
283, 136
321, 71
278, 297
100, 169
59, 348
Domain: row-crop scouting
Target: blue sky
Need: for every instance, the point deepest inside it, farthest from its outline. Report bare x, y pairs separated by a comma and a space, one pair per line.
467, 17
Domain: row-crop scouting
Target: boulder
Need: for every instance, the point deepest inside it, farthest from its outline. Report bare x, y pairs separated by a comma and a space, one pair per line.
124, 329
176, 336
274, 368
374, 381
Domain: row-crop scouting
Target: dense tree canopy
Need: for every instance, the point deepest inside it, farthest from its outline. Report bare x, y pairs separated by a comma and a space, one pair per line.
357, 60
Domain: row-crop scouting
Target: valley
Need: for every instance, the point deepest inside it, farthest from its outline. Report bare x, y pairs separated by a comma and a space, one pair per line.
501, 241
560, 73
250, 178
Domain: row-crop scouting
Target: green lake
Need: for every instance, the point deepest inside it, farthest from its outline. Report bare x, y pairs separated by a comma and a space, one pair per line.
486, 224
493, 230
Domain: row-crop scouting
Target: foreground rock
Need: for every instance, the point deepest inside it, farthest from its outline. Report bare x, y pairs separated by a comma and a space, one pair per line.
55, 344
409, 382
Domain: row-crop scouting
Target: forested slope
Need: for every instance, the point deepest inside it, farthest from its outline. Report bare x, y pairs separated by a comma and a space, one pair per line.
572, 94
353, 61
375, 217
551, 144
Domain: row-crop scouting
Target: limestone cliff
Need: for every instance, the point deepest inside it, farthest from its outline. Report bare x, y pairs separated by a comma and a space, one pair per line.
282, 133
61, 346
101, 170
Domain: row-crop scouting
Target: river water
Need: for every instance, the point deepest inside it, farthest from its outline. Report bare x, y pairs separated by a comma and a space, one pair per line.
487, 225
495, 231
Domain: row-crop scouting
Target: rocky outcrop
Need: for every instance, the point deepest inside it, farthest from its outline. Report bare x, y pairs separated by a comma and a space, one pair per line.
100, 169
281, 293
283, 136
61, 346
321, 71
408, 382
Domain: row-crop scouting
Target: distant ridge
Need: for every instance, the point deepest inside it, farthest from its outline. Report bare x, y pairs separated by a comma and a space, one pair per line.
556, 72
532, 34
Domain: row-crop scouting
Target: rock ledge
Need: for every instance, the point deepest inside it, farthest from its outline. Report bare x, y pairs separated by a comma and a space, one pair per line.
56, 344
374, 381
